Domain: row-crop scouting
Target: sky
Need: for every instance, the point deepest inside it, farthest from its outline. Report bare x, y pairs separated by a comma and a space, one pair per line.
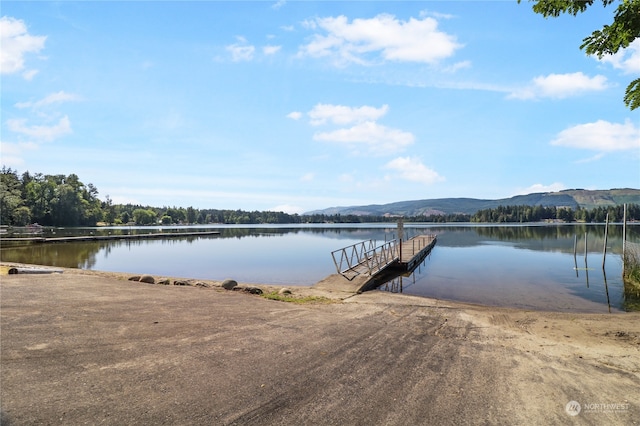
302, 105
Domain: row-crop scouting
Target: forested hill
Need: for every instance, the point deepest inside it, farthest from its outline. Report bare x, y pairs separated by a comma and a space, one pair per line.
63, 200
572, 198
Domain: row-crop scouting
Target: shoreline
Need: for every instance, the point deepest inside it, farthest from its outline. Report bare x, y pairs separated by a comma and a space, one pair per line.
89, 347
305, 290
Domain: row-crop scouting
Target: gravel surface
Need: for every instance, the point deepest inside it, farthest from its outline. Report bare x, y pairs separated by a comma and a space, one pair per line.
93, 348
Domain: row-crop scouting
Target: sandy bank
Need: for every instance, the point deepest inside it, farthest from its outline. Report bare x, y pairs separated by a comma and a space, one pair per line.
92, 347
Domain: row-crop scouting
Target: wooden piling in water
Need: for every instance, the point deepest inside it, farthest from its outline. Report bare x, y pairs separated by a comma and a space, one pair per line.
624, 238
585, 247
606, 232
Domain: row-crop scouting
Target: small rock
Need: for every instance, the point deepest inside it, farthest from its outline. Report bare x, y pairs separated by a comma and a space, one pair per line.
134, 278
201, 284
180, 282
284, 291
253, 290
229, 284
147, 279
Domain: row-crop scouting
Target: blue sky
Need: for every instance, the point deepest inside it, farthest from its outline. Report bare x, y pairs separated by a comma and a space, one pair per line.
303, 105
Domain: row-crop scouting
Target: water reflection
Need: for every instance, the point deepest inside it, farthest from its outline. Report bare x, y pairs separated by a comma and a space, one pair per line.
81, 255
526, 266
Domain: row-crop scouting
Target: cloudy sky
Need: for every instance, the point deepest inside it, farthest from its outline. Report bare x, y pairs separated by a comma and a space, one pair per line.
302, 105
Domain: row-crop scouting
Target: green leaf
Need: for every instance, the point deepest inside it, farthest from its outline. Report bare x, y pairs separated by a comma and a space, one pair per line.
632, 95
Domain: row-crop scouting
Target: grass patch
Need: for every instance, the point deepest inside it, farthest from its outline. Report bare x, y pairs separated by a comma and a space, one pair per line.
631, 278
274, 295
632, 263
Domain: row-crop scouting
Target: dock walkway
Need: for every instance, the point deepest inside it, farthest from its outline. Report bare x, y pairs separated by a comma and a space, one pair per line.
413, 251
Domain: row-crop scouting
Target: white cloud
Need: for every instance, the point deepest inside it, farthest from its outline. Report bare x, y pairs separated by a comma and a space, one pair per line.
600, 136
12, 161
271, 50
364, 132
123, 199
287, 208
16, 42
150, 193
457, 66
309, 24
346, 178
295, 115
12, 153
560, 86
41, 133
412, 169
339, 114
29, 74
241, 51
377, 139
384, 36
538, 187
628, 59
307, 177
53, 98
277, 5
169, 121
436, 14
590, 159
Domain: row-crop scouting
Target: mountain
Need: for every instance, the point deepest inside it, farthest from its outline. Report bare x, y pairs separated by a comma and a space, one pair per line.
572, 198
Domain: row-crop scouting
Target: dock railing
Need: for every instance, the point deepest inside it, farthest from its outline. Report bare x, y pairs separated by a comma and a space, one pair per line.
365, 257
382, 256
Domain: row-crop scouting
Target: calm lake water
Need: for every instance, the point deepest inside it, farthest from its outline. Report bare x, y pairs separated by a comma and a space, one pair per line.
523, 266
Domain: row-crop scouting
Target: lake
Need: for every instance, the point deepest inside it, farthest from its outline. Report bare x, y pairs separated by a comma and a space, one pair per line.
522, 266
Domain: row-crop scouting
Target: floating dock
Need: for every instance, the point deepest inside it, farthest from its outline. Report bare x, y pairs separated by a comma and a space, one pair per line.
360, 265
83, 238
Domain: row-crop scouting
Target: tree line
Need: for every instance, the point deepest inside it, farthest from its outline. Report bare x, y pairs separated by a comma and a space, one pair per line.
503, 214
47, 199
63, 200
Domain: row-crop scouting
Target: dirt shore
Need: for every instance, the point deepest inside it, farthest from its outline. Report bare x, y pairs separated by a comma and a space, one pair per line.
87, 347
